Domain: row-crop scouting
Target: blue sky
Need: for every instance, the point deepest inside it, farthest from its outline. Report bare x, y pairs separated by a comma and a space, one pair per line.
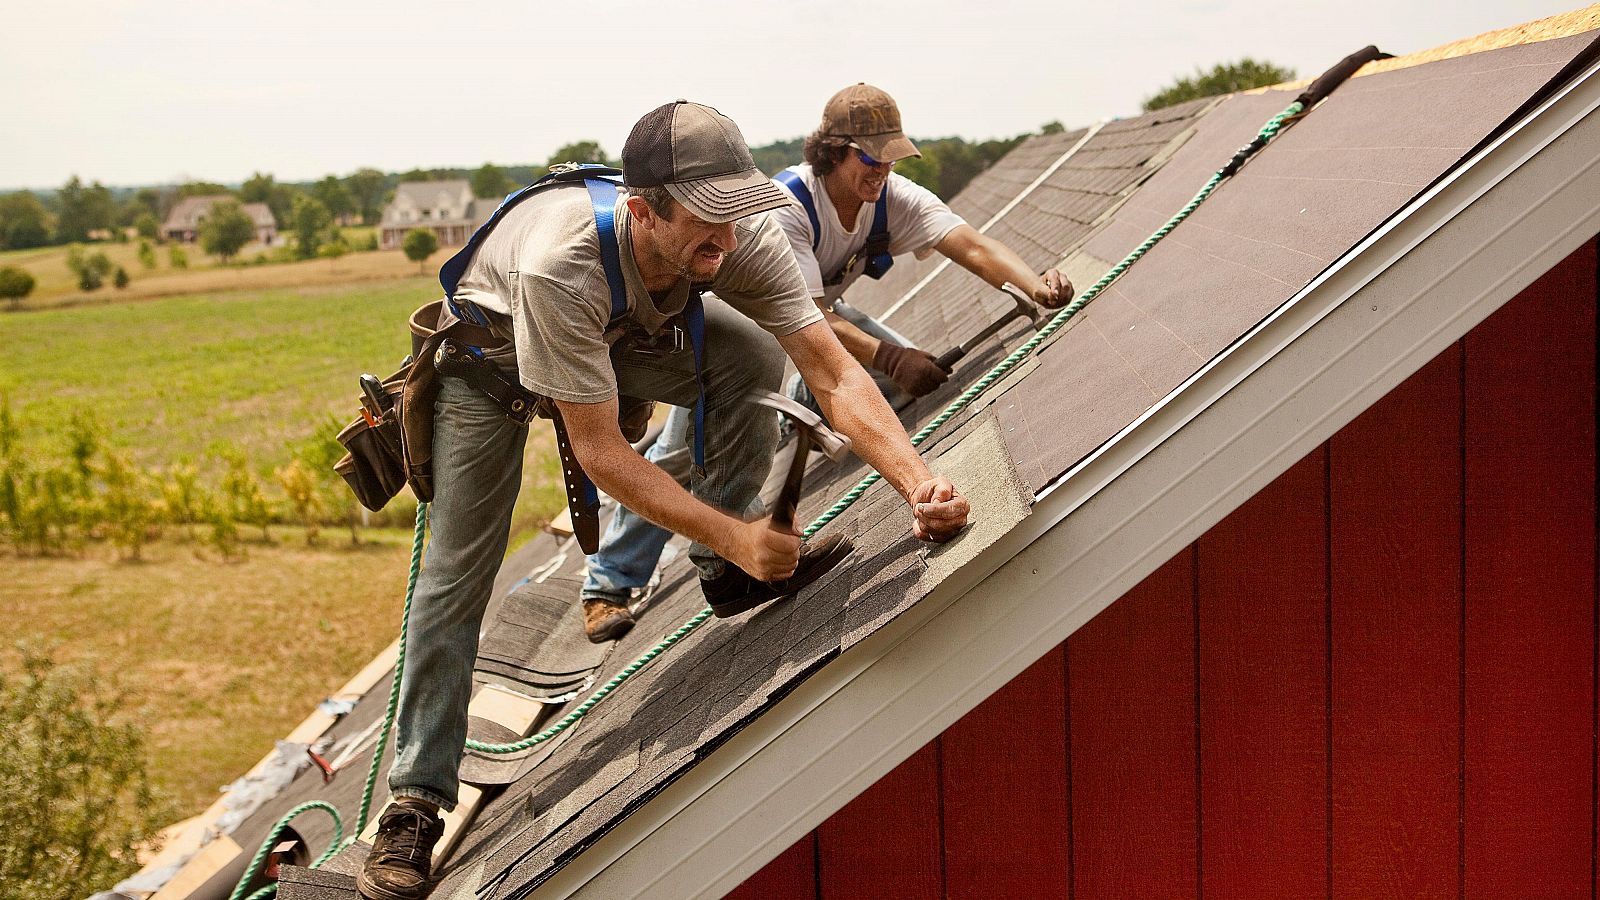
151, 92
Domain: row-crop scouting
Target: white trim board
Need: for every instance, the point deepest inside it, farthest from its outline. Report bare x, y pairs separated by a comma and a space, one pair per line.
1442, 265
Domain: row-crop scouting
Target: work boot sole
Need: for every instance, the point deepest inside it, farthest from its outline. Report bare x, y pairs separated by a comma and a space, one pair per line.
370, 891
826, 554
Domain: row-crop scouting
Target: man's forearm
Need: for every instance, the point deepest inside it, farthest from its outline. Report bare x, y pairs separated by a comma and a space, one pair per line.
856, 408
645, 488
862, 346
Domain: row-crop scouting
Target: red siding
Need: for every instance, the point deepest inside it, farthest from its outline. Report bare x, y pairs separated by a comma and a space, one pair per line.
1263, 692
1376, 678
893, 827
1396, 553
1135, 795
1530, 590
1005, 814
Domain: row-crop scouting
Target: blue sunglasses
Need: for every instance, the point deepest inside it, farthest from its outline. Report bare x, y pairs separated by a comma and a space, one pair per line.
868, 161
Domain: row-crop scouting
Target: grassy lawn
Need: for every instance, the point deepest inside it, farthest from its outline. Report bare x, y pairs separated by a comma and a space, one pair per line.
219, 657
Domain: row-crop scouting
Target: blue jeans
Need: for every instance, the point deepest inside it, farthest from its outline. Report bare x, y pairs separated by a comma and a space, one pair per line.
631, 546
477, 464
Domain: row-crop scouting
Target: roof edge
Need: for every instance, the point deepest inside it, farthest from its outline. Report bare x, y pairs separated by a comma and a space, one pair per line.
1384, 309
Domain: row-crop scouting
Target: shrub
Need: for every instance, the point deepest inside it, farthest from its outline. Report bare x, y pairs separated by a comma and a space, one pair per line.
418, 245
120, 278
74, 795
300, 485
177, 258
129, 515
15, 284
147, 255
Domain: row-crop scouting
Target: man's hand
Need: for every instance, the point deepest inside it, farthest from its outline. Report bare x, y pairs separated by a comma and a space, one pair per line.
913, 371
763, 551
939, 510
1054, 292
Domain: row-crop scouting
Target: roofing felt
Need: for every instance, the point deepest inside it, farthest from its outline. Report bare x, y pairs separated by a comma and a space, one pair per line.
1315, 192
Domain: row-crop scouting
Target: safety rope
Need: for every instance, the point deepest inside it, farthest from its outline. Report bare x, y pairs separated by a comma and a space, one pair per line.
254, 868
1267, 133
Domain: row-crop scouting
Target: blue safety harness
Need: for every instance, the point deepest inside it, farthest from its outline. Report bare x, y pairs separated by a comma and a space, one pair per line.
875, 250
602, 182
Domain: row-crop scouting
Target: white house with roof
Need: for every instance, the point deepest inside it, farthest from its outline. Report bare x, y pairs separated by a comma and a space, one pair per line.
448, 208
183, 222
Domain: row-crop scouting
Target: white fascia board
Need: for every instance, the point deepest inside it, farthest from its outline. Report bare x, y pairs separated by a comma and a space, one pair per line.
1437, 269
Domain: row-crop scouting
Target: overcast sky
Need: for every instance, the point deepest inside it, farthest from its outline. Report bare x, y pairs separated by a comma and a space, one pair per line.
156, 92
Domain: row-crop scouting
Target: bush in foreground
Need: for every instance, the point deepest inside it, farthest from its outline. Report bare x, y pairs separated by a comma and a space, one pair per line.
74, 794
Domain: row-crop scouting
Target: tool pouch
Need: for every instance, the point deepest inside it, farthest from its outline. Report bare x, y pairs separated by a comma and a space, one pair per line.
374, 467
389, 453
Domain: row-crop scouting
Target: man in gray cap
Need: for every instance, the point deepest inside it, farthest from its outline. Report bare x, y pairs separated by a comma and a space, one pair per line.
539, 276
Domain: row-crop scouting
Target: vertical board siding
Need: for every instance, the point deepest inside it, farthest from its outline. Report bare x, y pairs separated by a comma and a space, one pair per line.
1004, 774
1263, 692
791, 876
1530, 590
1134, 791
1376, 678
1395, 486
886, 842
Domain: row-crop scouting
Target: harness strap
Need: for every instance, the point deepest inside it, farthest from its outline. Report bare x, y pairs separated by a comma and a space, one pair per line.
456, 266
875, 251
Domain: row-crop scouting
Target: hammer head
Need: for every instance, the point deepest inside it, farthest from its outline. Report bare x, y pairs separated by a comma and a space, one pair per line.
830, 442
1025, 305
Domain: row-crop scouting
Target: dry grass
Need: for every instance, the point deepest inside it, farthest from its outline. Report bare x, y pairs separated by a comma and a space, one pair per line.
57, 286
217, 659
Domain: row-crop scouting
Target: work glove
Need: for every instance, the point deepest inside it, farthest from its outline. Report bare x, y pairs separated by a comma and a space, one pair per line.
913, 371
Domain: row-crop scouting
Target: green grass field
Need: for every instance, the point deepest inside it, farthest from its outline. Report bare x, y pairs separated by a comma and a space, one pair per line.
172, 377
218, 657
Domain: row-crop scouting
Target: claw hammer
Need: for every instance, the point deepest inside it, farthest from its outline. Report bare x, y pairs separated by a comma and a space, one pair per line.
809, 429
1023, 308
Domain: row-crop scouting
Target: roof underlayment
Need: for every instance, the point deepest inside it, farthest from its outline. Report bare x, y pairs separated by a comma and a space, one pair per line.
1314, 193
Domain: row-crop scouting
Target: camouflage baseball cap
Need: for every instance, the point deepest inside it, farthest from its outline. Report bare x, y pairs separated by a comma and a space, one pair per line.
869, 118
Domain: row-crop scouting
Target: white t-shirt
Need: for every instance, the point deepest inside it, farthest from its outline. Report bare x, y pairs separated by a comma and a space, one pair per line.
918, 220
541, 266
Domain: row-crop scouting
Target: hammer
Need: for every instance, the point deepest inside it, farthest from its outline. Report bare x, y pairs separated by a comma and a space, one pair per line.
1024, 308
809, 428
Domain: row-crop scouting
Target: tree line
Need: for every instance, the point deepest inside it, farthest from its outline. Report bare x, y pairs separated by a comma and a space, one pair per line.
77, 211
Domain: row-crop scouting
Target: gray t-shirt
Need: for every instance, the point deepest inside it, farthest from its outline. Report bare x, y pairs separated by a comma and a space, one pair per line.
541, 266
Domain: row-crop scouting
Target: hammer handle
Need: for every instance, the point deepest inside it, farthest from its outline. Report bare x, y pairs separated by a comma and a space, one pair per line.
789, 498
949, 358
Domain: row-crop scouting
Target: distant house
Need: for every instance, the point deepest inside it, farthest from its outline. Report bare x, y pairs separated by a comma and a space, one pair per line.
183, 223
446, 207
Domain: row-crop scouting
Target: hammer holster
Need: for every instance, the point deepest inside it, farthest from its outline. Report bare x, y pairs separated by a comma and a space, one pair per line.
453, 360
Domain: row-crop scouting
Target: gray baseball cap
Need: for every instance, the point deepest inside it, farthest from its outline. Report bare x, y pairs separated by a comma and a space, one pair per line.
700, 157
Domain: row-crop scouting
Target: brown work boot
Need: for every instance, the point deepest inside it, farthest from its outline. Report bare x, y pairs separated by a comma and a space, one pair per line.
400, 864
734, 591
605, 619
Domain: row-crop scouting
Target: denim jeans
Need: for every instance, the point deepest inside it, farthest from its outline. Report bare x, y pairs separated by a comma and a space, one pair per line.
631, 546
477, 463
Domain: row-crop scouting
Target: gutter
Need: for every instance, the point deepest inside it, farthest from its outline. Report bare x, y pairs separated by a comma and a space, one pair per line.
1445, 262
